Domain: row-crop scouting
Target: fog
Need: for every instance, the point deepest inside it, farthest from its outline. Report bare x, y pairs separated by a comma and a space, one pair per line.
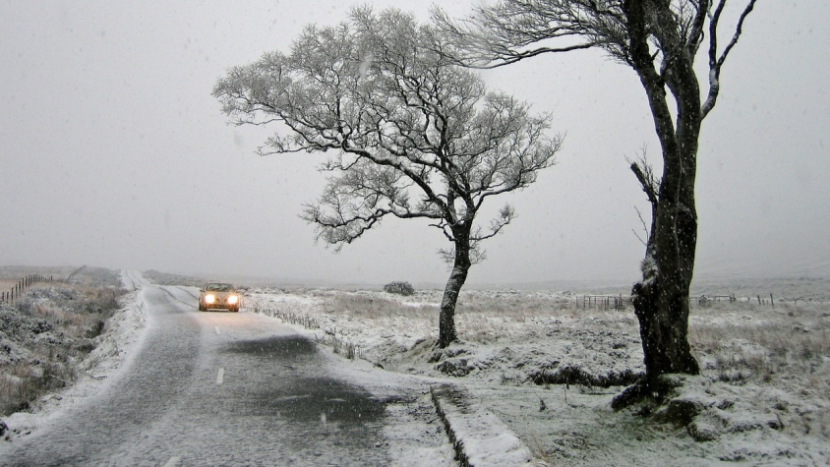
115, 154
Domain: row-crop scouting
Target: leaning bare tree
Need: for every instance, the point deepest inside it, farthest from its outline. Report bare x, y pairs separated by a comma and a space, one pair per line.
415, 135
659, 40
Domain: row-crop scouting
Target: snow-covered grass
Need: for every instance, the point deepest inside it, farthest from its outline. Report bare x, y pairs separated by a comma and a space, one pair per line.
745, 341
549, 369
48, 332
92, 370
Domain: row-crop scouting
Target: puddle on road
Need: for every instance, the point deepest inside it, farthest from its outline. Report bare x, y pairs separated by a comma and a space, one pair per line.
280, 348
318, 419
316, 399
298, 397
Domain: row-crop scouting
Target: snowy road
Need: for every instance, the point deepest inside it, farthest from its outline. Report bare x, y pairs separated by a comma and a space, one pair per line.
223, 388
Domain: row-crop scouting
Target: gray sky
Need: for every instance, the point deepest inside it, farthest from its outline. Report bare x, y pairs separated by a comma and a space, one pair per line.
115, 154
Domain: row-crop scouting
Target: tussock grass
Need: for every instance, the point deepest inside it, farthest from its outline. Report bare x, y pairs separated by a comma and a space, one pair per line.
22, 383
339, 345
48, 332
743, 342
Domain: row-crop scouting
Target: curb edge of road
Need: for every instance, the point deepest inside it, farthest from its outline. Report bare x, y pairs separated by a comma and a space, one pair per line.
479, 438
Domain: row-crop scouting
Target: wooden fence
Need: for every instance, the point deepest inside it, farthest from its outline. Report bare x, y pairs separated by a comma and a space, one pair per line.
17, 290
602, 302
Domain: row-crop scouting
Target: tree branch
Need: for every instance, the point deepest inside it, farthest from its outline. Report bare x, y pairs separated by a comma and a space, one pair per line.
715, 62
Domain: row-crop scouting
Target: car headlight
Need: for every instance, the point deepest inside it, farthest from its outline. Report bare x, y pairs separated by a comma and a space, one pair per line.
210, 298
233, 299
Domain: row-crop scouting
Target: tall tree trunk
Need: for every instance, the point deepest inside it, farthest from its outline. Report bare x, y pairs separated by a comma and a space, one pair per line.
661, 299
661, 304
460, 268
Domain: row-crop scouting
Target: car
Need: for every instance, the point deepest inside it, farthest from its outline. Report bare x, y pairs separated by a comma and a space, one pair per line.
218, 295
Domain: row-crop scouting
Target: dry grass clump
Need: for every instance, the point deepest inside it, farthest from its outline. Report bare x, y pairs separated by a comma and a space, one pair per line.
399, 288
76, 310
21, 383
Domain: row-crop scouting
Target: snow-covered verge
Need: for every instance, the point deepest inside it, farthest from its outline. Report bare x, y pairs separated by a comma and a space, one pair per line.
763, 397
60, 330
480, 438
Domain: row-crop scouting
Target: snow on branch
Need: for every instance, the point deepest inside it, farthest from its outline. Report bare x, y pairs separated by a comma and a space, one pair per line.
413, 135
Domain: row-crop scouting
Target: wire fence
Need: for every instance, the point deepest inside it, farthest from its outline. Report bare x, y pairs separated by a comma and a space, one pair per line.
621, 302
17, 290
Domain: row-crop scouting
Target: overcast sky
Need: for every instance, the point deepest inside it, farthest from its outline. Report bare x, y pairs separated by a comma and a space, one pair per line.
115, 154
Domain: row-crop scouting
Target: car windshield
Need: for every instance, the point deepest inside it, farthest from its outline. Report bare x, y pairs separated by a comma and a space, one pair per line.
219, 287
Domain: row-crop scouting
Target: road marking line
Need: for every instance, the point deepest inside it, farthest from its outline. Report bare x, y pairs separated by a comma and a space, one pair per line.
173, 462
220, 378
217, 330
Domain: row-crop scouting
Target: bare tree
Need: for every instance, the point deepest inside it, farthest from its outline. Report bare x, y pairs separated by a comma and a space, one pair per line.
659, 40
415, 135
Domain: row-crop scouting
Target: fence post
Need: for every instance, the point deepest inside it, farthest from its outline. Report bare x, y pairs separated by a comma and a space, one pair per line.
771, 300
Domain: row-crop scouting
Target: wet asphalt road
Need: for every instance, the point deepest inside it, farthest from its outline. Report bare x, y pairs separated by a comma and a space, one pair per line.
215, 388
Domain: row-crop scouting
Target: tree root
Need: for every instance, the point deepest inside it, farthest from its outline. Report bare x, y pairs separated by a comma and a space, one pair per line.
656, 390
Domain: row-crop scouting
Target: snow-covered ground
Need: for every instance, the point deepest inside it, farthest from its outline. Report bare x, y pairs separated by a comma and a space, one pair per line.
763, 397
113, 347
